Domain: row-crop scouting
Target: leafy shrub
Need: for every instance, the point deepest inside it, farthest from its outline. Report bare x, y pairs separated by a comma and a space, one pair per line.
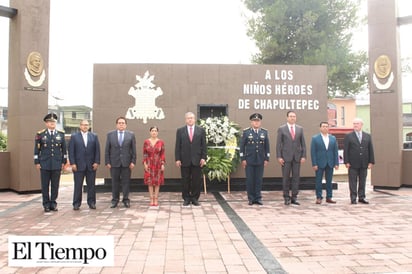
3, 142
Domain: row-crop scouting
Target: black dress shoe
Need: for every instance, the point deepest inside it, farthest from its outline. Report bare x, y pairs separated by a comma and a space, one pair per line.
186, 203
46, 209
127, 204
295, 202
195, 203
92, 206
353, 202
363, 201
113, 205
53, 209
259, 203
76, 207
250, 203
287, 202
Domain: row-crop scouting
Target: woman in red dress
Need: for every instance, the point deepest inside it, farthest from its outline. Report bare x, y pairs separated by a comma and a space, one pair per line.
154, 164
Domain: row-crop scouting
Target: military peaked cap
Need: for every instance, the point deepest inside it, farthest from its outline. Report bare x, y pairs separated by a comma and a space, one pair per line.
51, 117
256, 116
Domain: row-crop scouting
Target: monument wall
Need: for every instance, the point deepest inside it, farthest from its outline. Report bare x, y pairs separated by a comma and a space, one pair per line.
160, 94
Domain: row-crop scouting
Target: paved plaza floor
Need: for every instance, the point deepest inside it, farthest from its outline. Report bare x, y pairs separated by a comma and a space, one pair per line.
225, 234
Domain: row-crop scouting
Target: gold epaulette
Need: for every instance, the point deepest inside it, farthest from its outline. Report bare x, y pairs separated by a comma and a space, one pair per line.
61, 131
246, 128
263, 128
41, 131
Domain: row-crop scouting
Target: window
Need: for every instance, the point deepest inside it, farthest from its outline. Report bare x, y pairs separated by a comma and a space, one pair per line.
342, 116
204, 111
5, 114
332, 115
74, 114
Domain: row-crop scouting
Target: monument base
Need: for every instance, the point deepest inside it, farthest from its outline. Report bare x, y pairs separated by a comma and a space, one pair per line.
236, 184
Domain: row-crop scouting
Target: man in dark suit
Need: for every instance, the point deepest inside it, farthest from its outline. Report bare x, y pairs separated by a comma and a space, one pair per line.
190, 156
50, 156
254, 154
325, 157
120, 158
291, 153
84, 156
358, 157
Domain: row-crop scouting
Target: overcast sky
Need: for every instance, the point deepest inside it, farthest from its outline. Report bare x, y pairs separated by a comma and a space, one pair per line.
84, 32
135, 31
130, 31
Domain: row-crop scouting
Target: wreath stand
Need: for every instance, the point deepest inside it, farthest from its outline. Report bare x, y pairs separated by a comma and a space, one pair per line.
205, 187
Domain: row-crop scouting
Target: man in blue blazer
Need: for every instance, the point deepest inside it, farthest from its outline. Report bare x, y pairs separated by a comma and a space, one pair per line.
120, 158
325, 157
190, 156
84, 157
291, 153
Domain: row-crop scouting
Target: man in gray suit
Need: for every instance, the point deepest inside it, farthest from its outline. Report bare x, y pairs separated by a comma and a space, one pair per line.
120, 158
290, 152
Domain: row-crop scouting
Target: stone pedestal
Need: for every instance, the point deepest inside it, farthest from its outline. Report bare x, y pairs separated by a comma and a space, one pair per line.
28, 88
385, 93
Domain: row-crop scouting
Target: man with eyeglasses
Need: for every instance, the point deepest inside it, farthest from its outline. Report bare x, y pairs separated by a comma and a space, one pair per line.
358, 157
84, 157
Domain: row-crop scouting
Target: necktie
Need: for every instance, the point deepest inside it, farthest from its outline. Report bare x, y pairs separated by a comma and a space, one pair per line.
51, 133
292, 132
191, 133
85, 139
256, 131
120, 138
359, 136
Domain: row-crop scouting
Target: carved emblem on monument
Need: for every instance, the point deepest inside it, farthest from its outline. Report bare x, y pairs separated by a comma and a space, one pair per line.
145, 94
383, 74
34, 72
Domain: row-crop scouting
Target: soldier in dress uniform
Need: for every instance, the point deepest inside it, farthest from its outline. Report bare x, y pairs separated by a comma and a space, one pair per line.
254, 154
50, 156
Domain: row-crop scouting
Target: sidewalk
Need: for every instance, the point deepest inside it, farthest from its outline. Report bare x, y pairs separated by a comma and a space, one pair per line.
225, 235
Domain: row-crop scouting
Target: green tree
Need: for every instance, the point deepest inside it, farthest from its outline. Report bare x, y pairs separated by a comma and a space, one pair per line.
3, 142
310, 32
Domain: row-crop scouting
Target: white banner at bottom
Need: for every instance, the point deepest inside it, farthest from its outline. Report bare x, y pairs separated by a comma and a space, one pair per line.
74, 251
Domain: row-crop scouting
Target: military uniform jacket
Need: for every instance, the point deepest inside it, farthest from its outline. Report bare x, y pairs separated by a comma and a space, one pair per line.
254, 147
50, 152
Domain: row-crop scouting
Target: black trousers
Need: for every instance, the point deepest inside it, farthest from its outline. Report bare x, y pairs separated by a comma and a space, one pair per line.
191, 182
50, 179
120, 176
356, 189
78, 177
254, 179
